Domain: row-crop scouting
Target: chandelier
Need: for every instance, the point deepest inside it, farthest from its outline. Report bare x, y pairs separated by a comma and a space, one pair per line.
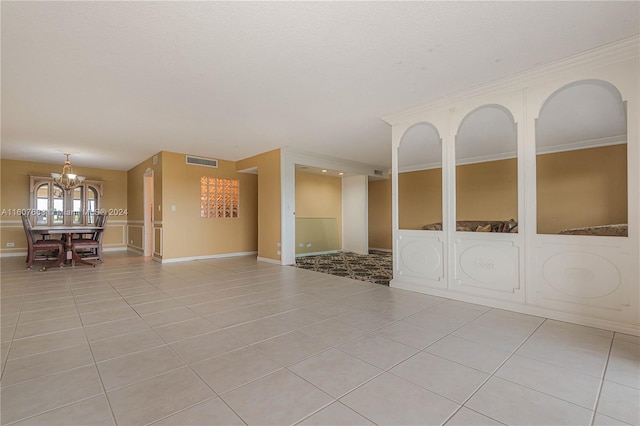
67, 179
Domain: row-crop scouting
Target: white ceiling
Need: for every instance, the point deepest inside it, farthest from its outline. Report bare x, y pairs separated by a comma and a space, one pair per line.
116, 82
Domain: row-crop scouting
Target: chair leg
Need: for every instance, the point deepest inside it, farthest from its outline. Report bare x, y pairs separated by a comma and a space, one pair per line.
61, 258
31, 257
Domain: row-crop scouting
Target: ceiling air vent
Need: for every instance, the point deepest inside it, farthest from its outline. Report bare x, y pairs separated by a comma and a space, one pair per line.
377, 172
199, 161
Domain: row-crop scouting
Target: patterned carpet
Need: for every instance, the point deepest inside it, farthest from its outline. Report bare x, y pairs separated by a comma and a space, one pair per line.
377, 267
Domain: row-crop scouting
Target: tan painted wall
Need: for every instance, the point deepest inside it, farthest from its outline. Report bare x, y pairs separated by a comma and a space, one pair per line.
419, 198
14, 194
135, 201
318, 196
269, 204
487, 191
575, 188
185, 233
580, 188
380, 229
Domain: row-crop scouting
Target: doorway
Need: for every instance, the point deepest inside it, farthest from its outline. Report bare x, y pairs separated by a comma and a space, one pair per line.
147, 236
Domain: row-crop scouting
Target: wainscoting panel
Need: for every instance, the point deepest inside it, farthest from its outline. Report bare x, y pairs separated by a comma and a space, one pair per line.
420, 259
488, 265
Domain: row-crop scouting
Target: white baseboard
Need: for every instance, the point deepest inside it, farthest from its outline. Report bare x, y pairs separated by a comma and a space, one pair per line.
14, 254
135, 250
267, 260
317, 253
380, 249
211, 256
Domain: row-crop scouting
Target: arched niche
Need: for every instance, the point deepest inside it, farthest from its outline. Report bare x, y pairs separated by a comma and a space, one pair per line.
420, 178
581, 161
487, 171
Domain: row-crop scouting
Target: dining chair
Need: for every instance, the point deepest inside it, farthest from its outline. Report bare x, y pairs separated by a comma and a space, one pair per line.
91, 248
45, 248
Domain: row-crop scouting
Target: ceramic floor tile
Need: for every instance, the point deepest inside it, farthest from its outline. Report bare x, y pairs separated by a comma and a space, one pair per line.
159, 306
578, 388
99, 317
189, 328
449, 379
168, 317
277, 399
624, 364
335, 372
481, 357
564, 354
156, 398
514, 320
503, 337
115, 328
510, 403
390, 400
93, 411
122, 371
47, 314
250, 313
602, 420
335, 414
102, 305
256, 331
234, 369
378, 351
31, 367
196, 349
620, 402
46, 304
627, 338
213, 412
6, 333
96, 297
125, 344
46, 393
564, 328
411, 335
46, 342
459, 310
146, 297
366, 320
290, 348
466, 417
47, 326
432, 321
332, 332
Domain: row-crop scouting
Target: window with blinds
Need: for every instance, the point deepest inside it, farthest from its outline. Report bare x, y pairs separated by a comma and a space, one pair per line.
219, 197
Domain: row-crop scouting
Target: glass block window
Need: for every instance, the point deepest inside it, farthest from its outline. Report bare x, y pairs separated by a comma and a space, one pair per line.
219, 197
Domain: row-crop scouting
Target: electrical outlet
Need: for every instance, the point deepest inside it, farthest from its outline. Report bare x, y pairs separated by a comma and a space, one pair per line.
278, 252
10, 244
308, 245
278, 245
131, 241
301, 245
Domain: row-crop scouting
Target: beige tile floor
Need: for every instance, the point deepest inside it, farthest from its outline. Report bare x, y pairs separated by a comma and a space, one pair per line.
237, 341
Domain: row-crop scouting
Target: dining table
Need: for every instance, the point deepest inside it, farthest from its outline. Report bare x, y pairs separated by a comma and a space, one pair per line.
68, 232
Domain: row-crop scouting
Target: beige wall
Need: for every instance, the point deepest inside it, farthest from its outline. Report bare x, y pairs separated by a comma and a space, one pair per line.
185, 233
575, 188
318, 196
269, 205
487, 191
586, 187
380, 229
419, 198
14, 194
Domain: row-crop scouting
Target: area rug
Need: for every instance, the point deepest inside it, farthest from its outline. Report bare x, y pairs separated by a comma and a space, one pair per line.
376, 267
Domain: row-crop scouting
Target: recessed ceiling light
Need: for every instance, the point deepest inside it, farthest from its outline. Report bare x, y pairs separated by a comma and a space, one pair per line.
341, 173
324, 170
